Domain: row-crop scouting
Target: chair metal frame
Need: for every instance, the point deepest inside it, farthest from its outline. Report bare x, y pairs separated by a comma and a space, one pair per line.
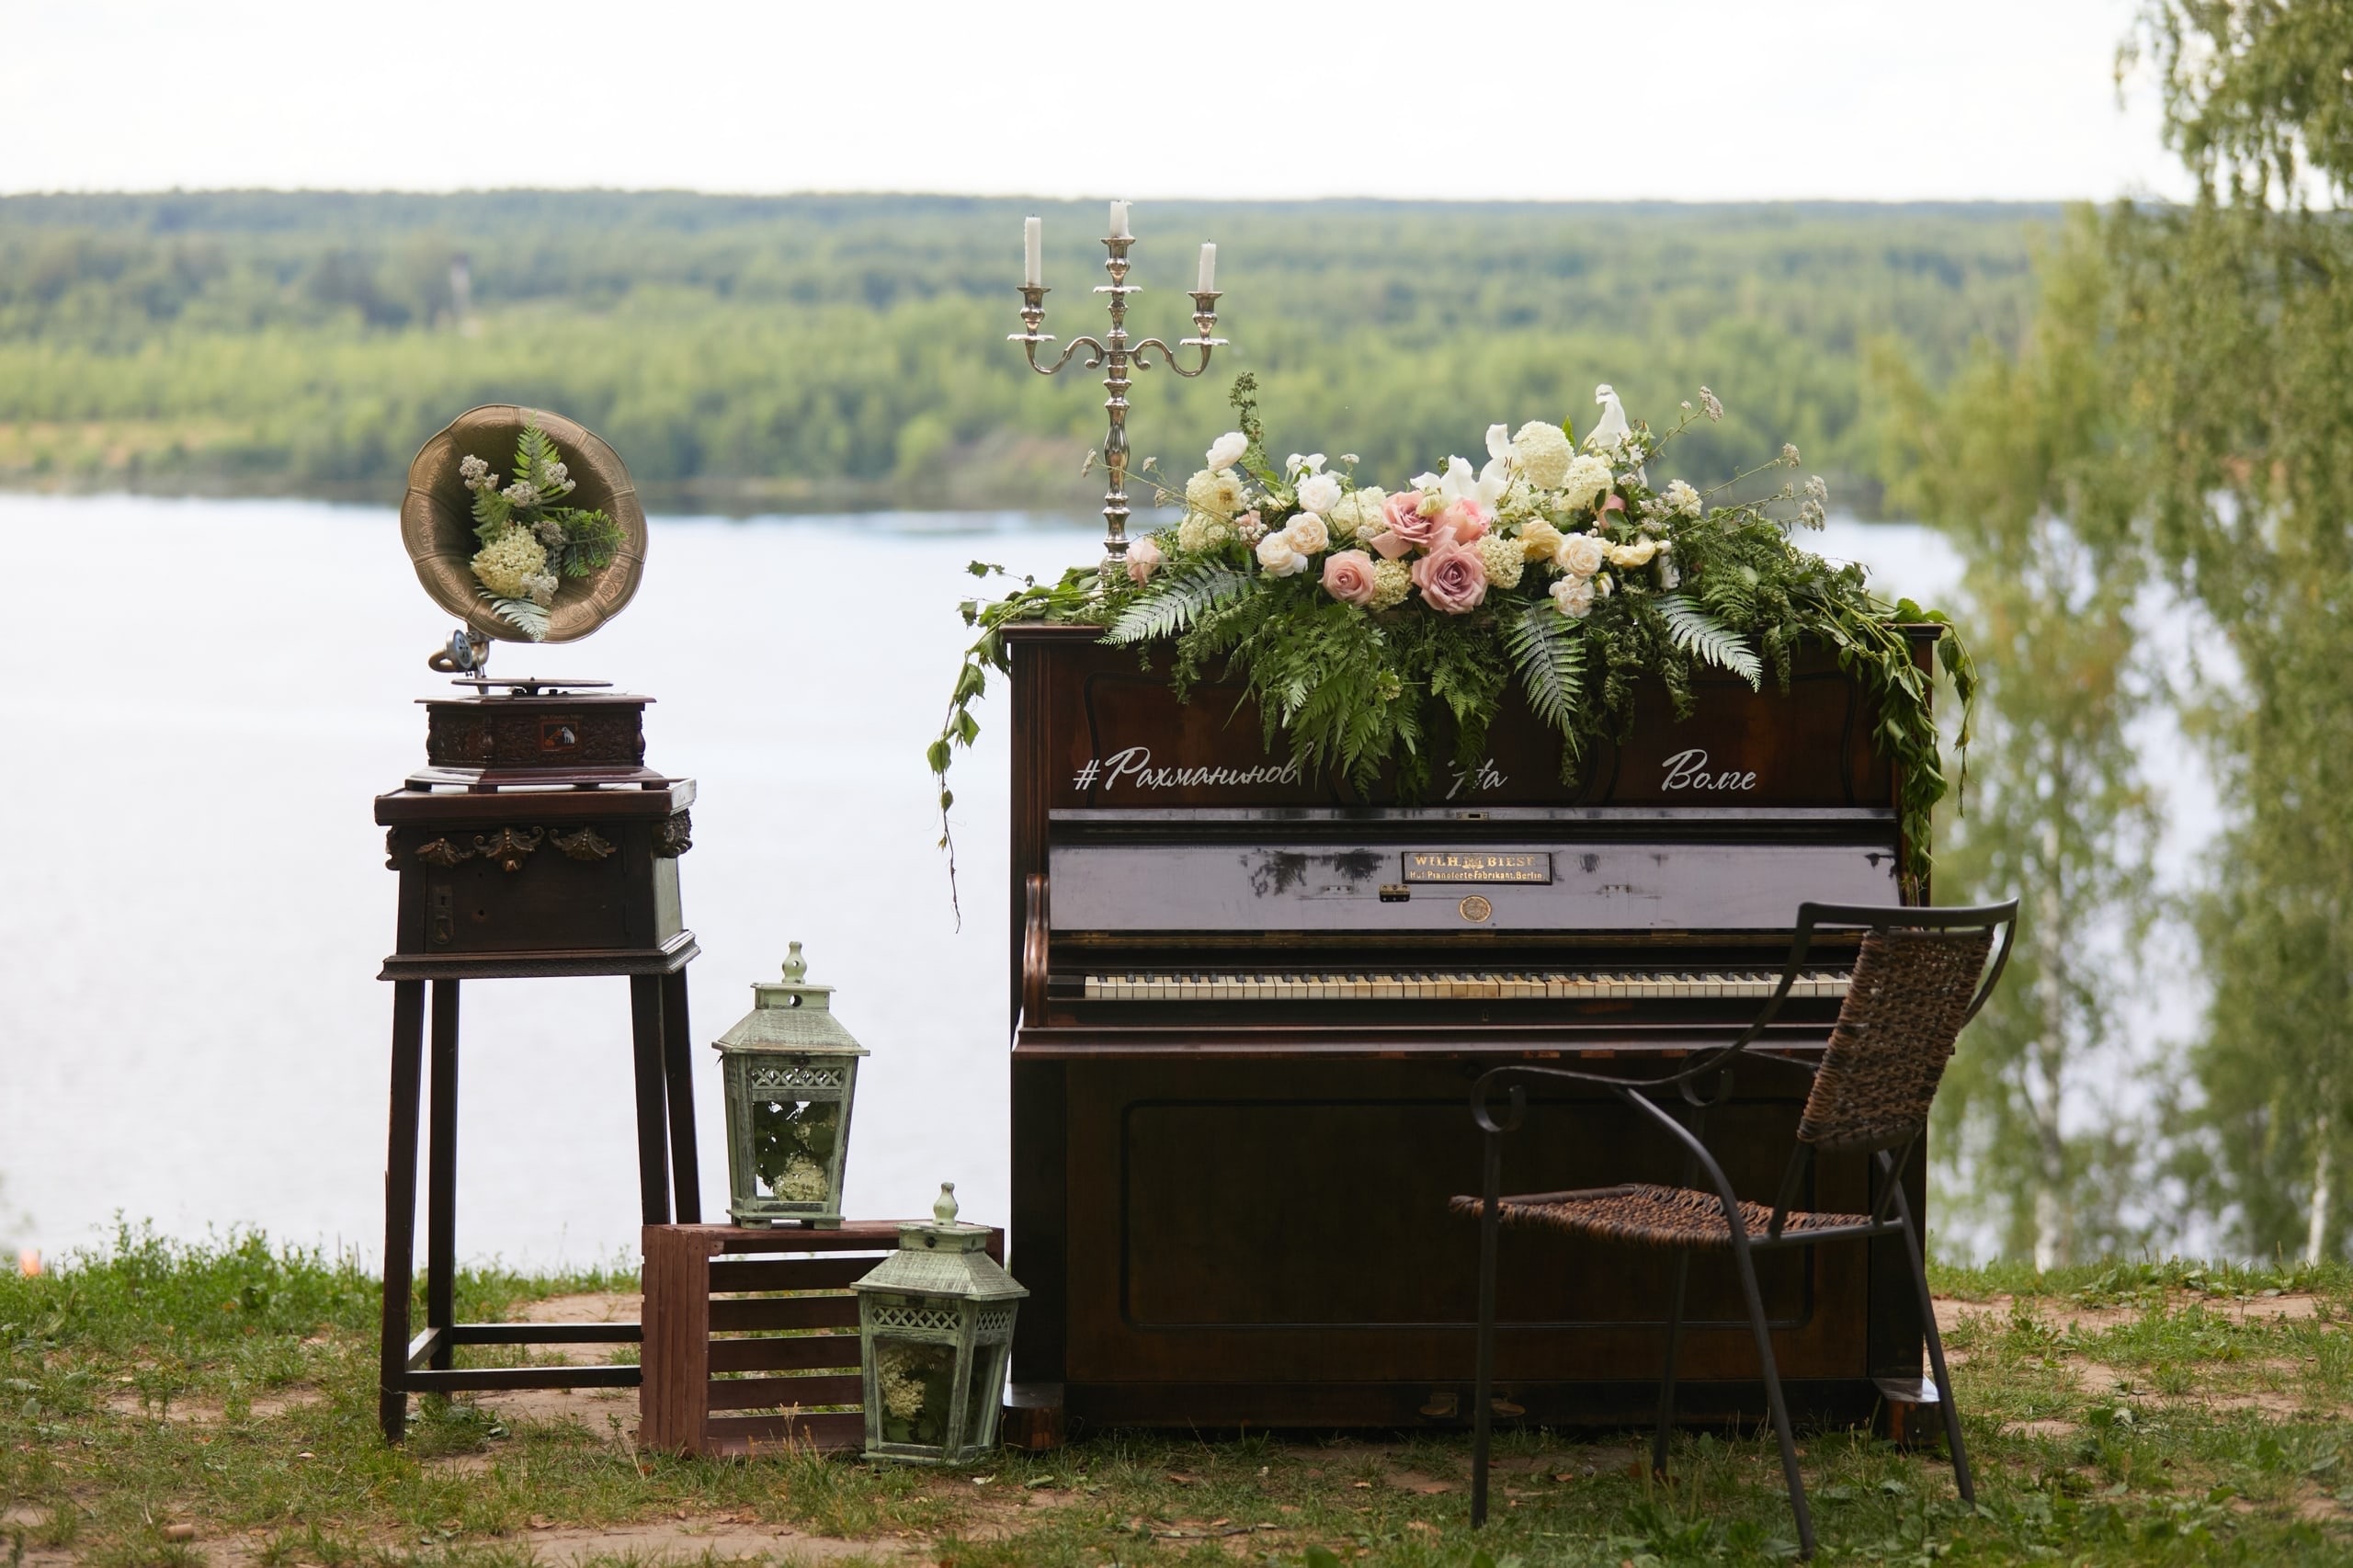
1890, 1213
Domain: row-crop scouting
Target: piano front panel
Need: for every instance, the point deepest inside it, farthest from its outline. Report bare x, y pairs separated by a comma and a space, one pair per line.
1114, 887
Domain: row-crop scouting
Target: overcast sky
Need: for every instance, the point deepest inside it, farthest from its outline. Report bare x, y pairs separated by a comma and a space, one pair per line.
1675, 100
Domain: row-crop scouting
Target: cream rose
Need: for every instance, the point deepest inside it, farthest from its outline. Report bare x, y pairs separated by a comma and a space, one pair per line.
1573, 597
1581, 555
1637, 554
1279, 557
1307, 534
1538, 540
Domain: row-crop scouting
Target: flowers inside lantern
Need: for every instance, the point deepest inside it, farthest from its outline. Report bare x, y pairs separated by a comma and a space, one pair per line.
791, 1071
935, 1322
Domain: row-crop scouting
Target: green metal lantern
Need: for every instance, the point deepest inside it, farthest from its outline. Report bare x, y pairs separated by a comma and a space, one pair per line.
791, 1071
935, 1327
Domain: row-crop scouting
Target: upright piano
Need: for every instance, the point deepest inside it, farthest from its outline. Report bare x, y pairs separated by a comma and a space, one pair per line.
1248, 1007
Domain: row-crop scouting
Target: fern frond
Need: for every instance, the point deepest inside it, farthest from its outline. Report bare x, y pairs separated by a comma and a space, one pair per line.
1702, 636
528, 618
1550, 654
1187, 599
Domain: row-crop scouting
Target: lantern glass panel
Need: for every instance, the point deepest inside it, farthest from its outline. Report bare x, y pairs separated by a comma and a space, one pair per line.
916, 1383
986, 1394
793, 1142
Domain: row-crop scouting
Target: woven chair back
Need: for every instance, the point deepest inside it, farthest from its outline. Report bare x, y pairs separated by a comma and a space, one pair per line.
1910, 995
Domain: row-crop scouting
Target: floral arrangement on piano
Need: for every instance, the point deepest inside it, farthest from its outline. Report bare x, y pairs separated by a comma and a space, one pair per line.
1360, 618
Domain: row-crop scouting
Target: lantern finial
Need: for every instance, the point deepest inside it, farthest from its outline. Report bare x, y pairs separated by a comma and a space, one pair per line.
796, 968
944, 1210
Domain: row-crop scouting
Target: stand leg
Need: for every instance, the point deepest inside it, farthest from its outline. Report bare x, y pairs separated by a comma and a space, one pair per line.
652, 1135
400, 1204
442, 1172
677, 1061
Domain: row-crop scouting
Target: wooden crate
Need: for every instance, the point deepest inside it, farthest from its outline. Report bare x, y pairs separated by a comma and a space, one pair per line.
712, 1308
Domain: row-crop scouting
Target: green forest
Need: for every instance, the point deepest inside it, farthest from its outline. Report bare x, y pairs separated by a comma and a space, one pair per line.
799, 352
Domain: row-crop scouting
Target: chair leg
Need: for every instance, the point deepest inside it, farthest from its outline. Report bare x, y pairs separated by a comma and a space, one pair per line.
1483, 1385
1667, 1375
1912, 1254
1790, 1473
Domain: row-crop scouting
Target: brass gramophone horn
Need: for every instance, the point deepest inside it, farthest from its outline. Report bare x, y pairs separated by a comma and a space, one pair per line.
438, 520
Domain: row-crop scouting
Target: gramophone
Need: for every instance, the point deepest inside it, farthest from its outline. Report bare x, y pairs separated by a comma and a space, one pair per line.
534, 842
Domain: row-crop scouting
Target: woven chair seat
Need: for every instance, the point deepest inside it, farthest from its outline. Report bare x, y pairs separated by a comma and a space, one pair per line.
1642, 1214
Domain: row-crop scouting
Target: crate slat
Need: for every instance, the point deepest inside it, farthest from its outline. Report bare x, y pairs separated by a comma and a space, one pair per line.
768, 1393
733, 1273
736, 1436
747, 1314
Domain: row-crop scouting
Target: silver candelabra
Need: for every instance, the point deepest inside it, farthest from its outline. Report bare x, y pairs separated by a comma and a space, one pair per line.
1117, 355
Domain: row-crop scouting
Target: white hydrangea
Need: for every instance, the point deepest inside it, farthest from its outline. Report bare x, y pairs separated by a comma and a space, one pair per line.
1501, 559
1392, 581
1542, 454
1681, 499
1587, 478
507, 561
1200, 531
1227, 450
1216, 490
1357, 512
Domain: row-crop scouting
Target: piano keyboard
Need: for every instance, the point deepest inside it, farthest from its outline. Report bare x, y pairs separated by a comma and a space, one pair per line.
1432, 985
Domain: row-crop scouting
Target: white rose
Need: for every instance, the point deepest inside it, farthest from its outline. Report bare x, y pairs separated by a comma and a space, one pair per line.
1573, 597
1279, 556
1580, 555
1319, 492
1227, 450
1307, 534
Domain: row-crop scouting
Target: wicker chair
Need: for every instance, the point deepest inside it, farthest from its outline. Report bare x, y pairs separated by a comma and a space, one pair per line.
1919, 975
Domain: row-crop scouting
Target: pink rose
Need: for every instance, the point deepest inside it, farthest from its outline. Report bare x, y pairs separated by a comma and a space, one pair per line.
1408, 528
1143, 558
1452, 576
1467, 519
1348, 576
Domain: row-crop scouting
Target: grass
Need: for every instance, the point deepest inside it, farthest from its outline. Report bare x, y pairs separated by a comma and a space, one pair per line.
2157, 1413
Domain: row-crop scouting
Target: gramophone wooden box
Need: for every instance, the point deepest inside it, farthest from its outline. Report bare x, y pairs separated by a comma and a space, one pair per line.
535, 840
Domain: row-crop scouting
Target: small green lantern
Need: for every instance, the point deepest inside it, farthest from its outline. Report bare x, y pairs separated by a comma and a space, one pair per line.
935, 1326
790, 1070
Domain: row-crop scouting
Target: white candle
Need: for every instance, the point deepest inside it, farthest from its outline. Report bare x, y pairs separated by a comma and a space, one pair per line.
1033, 251
1208, 270
1120, 222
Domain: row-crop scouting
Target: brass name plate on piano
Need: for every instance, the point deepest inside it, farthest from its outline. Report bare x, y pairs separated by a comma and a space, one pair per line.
1478, 866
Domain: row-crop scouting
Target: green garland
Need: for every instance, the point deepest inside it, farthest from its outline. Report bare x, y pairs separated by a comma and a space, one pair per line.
1575, 579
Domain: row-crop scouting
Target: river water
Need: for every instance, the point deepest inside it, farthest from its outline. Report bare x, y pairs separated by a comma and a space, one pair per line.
204, 696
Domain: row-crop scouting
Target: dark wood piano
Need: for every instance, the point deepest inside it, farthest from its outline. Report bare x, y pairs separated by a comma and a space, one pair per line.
1248, 1009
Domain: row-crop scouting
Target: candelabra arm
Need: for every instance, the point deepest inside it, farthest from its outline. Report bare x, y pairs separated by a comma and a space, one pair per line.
1029, 342
1168, 355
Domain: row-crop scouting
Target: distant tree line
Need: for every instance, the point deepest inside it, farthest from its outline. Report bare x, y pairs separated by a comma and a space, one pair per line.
818, 350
